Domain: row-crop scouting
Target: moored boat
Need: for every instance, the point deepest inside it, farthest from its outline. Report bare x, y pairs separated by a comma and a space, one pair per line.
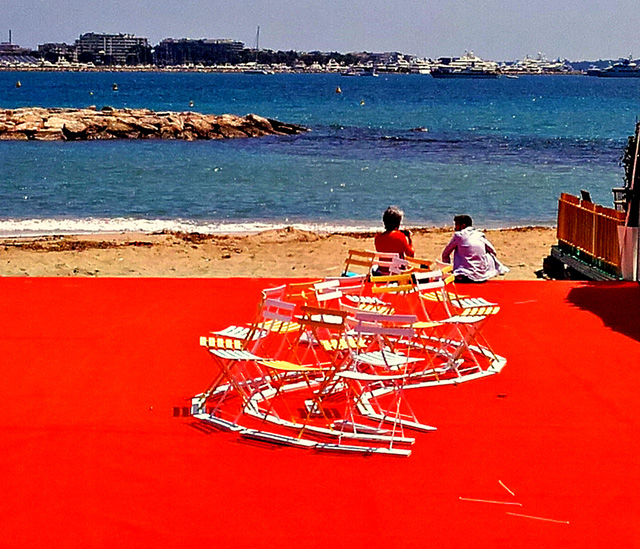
469, 72
467, 66
360, 71
626, 68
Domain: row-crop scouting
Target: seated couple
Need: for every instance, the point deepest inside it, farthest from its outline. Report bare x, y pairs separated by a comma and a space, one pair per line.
474, 257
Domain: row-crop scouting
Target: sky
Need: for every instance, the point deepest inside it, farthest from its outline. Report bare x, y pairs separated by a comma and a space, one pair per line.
498, 30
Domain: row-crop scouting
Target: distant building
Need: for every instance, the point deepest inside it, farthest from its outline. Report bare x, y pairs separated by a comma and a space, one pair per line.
55, 51
113, 49
186, 51
7, 48
12, 54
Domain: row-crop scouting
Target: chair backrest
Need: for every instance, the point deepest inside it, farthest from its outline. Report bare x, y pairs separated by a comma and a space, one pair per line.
320, 317
358, 262
276, 309
301, 292
428, 280
327, 291
350, 285
417, 264
326, 325
391, 284
277, 292
388, 263
374, 324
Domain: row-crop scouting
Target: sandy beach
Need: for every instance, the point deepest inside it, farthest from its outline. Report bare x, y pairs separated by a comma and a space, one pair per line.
286, 252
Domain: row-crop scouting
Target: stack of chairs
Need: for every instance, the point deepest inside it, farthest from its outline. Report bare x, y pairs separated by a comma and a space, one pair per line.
327, 364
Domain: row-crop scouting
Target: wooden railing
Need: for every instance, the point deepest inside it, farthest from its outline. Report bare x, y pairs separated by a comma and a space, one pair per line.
590, 228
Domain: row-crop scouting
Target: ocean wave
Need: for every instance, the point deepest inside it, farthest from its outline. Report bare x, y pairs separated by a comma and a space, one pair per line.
60, 226
15, 228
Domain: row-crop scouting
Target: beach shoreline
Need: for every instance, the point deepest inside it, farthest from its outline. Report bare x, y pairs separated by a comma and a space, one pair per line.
282, 252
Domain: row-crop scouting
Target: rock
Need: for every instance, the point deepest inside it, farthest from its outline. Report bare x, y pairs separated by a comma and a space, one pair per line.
175, 120
228, 131
27, 117
74, 129
55, 122
287, 129
99, 135
189, 135
260, 122
199, 125
169, 130
28, 127
49, 134
146, 129
116, 125
13, 136
150, 120
229, 120
110, 123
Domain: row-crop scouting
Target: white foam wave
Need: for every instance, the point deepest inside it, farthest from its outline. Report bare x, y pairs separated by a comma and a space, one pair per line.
53, 226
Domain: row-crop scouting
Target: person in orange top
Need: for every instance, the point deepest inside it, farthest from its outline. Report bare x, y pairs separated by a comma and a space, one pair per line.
394, 240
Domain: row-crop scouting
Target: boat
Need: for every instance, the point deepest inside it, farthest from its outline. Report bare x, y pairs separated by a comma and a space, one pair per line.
257, 70
420, 66
360, 71
625, 68
253, 67
468, 72
537, 65
467, 66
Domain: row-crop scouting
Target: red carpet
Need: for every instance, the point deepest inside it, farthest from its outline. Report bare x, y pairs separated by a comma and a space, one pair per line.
94, 371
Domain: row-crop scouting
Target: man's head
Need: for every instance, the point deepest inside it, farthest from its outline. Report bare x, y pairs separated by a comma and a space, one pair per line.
392, 217
462, 221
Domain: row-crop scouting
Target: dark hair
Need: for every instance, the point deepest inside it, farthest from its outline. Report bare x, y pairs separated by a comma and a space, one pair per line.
392, 217
464, 220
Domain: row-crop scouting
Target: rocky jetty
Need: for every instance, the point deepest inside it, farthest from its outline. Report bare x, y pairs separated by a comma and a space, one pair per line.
109, 123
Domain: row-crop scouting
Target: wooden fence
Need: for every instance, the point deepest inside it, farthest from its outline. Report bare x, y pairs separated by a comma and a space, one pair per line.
590, 228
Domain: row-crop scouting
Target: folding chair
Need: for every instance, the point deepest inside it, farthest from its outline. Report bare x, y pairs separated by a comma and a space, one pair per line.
313, 395
301, 293
235, 357
358, 262
383, 368
393, 290
252, 390
251, 330
352, 290
259, 380
236, 378
457, 335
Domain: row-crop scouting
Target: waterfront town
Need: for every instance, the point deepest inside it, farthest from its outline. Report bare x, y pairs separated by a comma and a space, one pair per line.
127, 52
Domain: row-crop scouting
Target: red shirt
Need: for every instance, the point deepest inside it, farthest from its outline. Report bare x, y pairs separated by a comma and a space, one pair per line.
394, 241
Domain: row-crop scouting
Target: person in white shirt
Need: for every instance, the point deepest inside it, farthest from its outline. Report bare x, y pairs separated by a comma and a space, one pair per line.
474, 257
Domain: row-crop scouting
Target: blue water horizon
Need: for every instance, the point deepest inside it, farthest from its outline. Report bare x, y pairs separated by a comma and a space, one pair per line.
500, 150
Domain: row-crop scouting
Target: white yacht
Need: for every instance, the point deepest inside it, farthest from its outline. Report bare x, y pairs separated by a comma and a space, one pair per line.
420, 66
467, 66
538, 65
625, 68
360, 70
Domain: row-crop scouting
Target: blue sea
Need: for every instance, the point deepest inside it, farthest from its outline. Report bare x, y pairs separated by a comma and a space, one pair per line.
500, 150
